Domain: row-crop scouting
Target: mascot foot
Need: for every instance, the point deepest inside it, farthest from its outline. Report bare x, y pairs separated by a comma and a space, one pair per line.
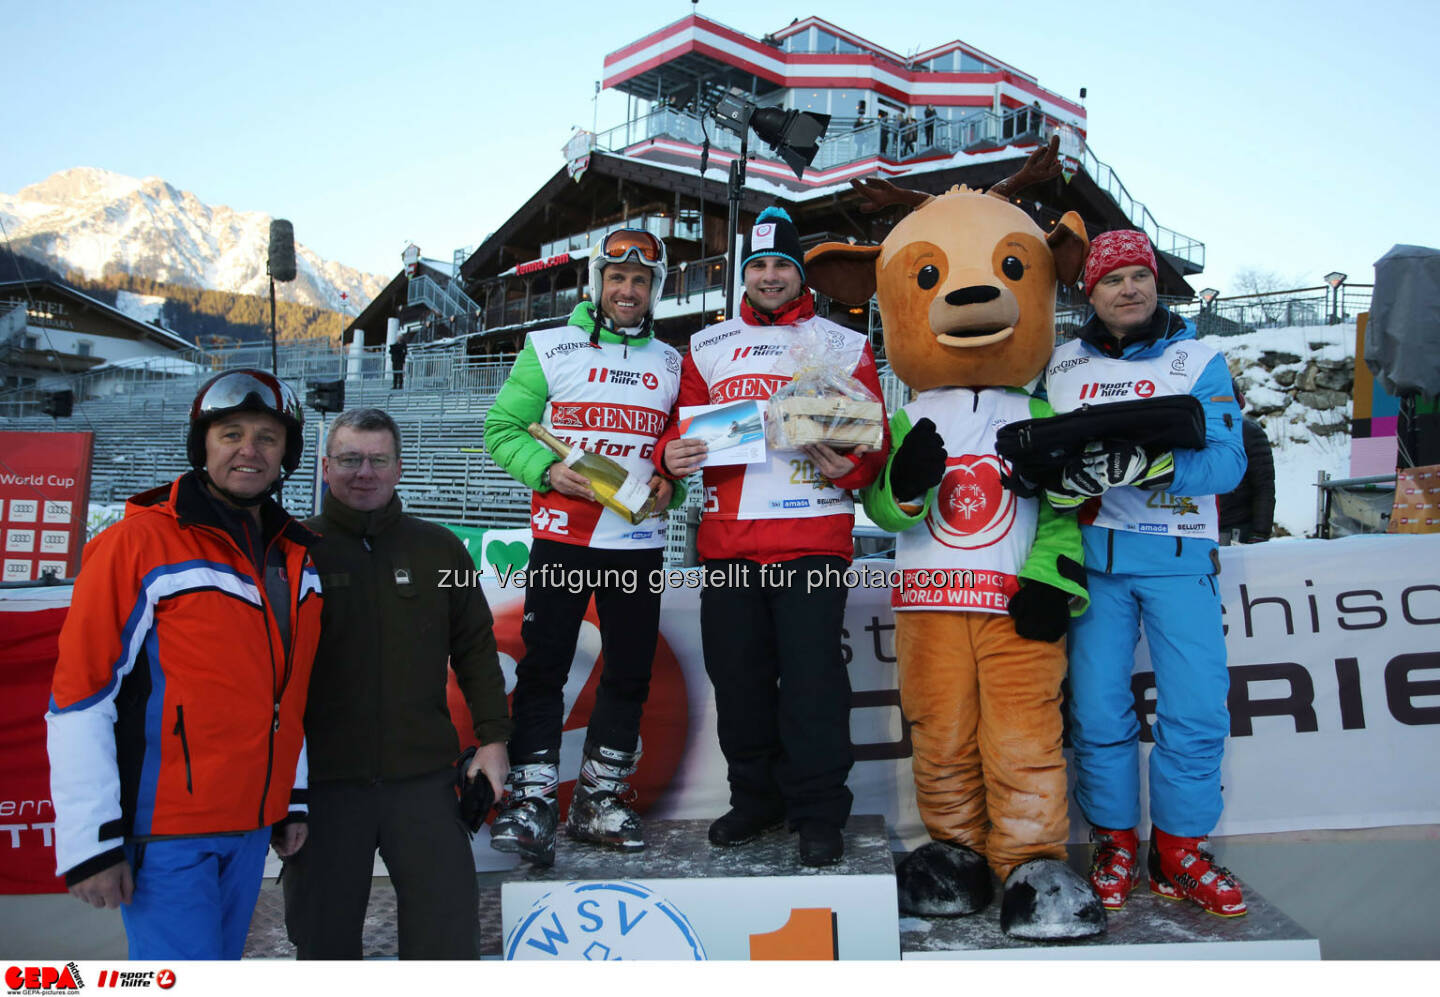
1045, 900
943, 880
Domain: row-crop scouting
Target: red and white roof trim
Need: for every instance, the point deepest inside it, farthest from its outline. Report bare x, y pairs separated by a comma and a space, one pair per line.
882, 72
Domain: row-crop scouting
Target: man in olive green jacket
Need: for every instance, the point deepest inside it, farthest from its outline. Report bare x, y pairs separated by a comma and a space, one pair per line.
377, 724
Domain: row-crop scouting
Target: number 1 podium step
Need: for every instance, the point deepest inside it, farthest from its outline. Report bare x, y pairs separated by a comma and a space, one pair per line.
683, 898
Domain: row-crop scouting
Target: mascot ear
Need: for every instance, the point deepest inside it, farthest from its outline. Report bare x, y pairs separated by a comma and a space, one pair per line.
1070, 245
841, 271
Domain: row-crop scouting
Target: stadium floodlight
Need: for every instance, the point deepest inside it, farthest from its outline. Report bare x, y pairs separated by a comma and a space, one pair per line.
793, 135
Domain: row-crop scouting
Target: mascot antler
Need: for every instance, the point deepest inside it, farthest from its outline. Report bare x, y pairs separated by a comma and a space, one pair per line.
881, 194
1043, 164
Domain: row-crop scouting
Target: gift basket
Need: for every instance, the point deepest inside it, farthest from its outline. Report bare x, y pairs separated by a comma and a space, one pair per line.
822, 403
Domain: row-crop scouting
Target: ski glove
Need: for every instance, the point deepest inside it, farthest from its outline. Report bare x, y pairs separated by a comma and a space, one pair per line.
477, 796
919, 462
1112, 465
1040, 611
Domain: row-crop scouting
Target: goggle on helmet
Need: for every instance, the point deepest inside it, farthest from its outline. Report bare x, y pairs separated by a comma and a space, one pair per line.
246, 390
629, 245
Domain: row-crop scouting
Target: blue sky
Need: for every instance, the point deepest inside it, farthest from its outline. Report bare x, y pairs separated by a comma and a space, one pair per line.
1290, 137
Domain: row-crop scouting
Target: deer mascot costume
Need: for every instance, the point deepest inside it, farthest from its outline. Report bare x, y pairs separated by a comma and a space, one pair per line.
966, 287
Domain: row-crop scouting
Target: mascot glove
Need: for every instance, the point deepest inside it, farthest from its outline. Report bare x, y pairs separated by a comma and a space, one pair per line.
919, 462
1040, 611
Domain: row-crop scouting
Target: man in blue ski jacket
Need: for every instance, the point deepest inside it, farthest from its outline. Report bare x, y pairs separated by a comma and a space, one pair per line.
1150, 531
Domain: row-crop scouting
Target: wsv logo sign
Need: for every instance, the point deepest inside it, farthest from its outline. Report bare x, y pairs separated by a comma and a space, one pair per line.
602, 922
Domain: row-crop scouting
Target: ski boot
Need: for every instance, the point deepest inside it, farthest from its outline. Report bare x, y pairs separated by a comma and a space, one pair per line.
529, 813
599, 812
1183, 869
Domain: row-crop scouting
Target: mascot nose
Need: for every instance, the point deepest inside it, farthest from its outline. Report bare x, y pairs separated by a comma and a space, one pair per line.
976, 294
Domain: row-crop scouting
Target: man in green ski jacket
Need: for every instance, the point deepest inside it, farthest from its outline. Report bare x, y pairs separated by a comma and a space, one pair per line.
602, 383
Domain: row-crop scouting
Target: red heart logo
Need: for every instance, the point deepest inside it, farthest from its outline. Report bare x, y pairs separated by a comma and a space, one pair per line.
972, 508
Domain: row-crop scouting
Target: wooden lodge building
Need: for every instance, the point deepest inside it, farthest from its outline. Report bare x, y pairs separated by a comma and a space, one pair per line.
951, 115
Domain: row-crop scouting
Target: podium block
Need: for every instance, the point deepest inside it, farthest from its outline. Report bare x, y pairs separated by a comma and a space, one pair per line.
1149, 927
683, 898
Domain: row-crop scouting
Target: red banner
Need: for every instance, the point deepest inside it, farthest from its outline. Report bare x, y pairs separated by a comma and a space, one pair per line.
44, 493
28, 648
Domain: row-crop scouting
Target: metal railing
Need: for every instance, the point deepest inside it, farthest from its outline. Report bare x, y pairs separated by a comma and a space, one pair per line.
1348, 506
851, 143
1242, 313
447, 301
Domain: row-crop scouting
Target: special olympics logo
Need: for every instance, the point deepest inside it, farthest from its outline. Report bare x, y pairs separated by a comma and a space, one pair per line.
664, 726
601, 922
972, 508
1144, 388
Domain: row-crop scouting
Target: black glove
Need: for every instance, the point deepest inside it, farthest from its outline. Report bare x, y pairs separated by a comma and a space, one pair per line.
1040, 611
919, 463
477, 796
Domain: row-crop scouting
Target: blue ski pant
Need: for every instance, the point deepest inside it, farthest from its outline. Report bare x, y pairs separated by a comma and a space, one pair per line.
1181, 617
194, 897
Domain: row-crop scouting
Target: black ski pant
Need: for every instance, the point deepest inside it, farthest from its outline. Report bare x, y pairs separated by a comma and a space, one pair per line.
560, 579
782, 692
416, 825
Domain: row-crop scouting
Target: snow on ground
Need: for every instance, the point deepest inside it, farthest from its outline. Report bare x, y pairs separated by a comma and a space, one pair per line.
1300, 453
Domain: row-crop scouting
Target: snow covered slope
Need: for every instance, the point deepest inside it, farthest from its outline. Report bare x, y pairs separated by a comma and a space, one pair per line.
1298, 382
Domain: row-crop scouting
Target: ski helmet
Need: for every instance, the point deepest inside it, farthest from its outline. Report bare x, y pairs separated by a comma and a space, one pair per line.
246, 389
629, 245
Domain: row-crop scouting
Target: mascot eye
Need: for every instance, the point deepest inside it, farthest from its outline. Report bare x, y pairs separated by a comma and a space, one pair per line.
1012, 268
927, 278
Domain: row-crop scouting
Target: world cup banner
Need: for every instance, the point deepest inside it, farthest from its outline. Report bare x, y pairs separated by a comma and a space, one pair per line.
44, 481
1334, 659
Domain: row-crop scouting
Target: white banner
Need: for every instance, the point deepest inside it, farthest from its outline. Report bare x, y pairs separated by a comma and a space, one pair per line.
1334, 650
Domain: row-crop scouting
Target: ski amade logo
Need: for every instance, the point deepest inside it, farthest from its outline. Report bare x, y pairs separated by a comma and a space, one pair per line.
664, 726
43, 979
602, 922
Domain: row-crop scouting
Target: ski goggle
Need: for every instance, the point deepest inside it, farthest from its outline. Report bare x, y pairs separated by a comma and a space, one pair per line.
623, 243
250, 390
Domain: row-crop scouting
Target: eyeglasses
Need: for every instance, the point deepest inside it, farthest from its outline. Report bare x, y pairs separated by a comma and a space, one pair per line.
621, 244
354, 461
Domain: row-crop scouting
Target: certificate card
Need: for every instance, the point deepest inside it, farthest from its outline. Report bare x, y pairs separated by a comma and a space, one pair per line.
735, 433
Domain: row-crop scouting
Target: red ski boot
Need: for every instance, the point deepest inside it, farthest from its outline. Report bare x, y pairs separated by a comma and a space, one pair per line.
1182, 869
1115, 866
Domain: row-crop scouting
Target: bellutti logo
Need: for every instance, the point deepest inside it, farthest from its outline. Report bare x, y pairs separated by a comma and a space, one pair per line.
43, 979
600, 922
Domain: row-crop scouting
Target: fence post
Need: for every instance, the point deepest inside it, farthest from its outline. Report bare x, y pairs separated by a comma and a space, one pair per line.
1322, 505
465, 491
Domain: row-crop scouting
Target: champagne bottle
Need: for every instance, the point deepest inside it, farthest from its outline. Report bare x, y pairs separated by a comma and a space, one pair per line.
626, 493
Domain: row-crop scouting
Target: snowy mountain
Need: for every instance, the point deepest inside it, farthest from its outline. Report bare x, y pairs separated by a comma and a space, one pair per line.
91, 220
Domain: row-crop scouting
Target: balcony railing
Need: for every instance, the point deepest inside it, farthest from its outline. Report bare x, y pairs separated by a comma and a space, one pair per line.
899, 142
